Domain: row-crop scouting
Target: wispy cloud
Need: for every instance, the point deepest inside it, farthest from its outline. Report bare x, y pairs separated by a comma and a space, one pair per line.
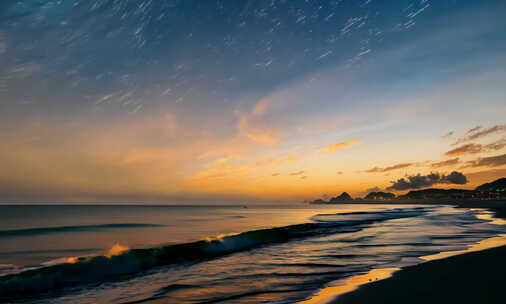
221, 160
477, 148
258, 133
497, 145
254, 126
339, 146
297, 173
472, 130
220, 172
391, 168
493, 161
447, 135
465, 149
276, 161
479, 132
446, 163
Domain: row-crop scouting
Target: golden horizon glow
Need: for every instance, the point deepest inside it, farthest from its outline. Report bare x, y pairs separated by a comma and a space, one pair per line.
114, 160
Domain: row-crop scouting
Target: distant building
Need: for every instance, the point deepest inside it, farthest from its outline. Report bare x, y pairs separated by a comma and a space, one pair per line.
380, 196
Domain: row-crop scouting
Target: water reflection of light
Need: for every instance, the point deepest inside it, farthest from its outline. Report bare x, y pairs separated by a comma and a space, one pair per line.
496, 241
218, 237
116, 249
327, 294
489, 216
72, 260
492, 242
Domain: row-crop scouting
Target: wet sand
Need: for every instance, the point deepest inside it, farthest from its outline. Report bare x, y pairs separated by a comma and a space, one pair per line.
475, 277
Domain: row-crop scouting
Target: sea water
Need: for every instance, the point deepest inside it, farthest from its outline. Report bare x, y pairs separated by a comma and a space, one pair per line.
215, 254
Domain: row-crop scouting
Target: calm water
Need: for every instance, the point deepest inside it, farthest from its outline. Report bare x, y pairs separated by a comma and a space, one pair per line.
175, 254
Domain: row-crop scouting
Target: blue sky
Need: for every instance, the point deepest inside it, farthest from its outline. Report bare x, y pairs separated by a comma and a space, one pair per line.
164, 100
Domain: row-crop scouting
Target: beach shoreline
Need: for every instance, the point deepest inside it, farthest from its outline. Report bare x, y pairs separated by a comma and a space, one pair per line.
474, 277
471, 277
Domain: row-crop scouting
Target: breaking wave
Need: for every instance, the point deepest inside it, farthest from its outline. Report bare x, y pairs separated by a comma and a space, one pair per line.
121, 261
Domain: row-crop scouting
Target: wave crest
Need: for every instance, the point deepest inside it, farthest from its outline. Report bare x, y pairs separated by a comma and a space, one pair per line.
121, 260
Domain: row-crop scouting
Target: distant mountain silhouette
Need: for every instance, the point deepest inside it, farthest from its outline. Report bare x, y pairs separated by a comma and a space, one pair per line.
343, 197
497, 185
493, 190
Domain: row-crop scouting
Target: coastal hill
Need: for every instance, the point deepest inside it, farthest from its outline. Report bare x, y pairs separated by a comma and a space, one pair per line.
487, 191
343, 197
497, 185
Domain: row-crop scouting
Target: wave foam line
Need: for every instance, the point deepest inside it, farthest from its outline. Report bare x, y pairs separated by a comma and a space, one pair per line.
99, 269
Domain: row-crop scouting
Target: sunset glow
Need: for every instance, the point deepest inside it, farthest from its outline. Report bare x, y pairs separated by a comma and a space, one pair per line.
362, 105
252, 151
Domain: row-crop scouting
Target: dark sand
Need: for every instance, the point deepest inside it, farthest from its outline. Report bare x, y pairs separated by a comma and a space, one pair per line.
476, 277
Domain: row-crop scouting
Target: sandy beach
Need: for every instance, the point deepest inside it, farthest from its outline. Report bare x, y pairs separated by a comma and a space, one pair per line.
475, 277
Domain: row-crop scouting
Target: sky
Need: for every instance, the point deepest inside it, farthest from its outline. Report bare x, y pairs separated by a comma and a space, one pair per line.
248, 101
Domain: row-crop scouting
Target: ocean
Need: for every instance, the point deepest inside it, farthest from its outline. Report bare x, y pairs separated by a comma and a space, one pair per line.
215, 254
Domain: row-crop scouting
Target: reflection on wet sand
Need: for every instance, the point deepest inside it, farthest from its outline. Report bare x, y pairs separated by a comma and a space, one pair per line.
489, 216
492, 242
496, 241
327, 294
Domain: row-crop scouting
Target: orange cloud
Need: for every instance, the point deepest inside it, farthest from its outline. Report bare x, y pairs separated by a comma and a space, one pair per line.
220, 172
297, 173
339, 146
477, 148
394, 167
254, 125
479, 132
446, 163
256, 132
465, 149
221, 160
447, 135
493, 161
274, 162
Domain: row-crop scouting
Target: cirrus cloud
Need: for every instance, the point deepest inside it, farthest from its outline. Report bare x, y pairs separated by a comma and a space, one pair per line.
465, 149
390, 168
477, 148
446, 163
339, 146
479, 132
493, 161
474, 129
274, 162
297, 173
447, 135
